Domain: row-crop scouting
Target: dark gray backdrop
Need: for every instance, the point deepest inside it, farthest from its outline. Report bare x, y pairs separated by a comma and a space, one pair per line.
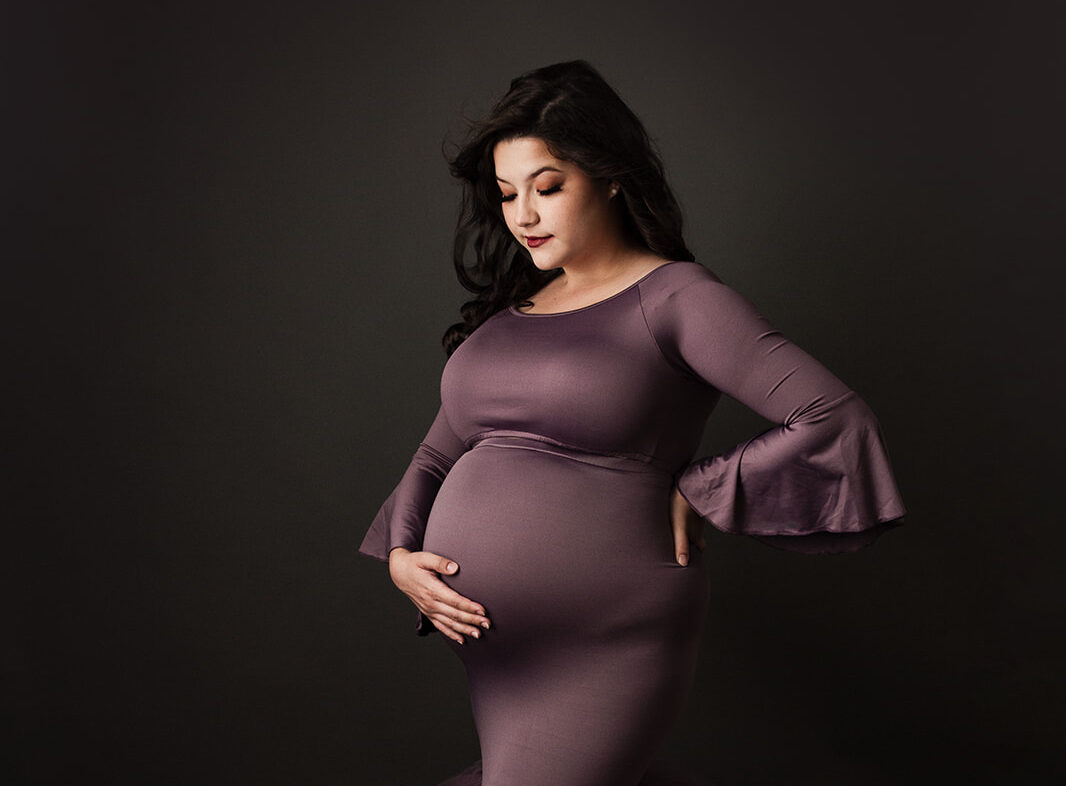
228, 275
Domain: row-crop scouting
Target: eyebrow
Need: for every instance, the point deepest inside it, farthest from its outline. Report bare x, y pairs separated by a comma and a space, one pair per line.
534, 174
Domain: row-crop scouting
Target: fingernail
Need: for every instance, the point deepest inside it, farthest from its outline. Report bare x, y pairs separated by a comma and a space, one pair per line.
485, 624
452, 566
683, 559
476, 634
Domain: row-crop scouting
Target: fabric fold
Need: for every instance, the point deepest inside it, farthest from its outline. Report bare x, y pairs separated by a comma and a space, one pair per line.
820, 483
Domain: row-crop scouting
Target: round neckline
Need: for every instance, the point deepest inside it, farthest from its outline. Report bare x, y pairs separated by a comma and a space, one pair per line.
607, 299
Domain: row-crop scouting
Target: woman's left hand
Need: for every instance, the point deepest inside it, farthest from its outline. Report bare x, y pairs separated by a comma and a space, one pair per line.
687, 525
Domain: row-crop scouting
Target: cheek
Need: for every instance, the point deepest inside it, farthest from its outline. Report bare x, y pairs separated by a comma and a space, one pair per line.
575, 214
583, 201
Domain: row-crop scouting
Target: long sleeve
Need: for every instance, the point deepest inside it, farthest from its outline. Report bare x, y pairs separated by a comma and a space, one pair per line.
401, 521
820, 481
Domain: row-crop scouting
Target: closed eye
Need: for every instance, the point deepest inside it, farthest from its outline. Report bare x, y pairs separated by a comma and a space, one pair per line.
545, 192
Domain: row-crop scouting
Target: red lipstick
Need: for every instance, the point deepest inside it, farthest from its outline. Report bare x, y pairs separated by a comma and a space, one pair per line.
533, 242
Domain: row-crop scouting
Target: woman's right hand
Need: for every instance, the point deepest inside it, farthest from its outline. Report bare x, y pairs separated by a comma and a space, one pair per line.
415, 573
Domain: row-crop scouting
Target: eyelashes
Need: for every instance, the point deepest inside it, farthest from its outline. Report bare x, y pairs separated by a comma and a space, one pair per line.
545, 192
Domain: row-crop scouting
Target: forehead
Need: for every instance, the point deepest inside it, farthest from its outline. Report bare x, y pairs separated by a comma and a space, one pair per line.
518, 158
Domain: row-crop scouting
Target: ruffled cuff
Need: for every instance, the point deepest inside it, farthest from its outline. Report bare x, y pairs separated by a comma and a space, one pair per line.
401, 520
829, 490
387, 532
381, 538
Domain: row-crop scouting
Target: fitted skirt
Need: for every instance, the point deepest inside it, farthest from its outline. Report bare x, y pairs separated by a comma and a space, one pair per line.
595, 626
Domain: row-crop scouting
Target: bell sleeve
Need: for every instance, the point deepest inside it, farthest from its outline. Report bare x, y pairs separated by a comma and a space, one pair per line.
820, 481
401, 520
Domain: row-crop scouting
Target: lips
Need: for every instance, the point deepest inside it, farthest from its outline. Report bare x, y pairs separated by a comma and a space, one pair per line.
533, 242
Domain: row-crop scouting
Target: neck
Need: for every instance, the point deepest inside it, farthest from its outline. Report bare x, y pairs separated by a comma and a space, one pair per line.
607, 265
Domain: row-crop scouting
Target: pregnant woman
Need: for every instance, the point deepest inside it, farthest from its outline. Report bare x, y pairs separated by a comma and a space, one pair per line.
550, 523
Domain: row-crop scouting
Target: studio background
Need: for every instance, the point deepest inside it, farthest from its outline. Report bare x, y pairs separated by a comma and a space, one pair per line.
226, 280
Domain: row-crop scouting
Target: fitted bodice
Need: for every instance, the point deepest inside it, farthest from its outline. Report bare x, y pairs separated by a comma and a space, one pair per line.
592, 378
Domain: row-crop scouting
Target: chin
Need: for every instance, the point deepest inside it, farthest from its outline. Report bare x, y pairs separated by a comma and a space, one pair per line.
544, 263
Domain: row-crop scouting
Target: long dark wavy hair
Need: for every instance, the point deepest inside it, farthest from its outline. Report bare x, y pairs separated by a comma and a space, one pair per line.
581, 120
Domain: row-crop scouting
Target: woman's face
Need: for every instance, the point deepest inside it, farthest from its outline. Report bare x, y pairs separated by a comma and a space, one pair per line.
552, 207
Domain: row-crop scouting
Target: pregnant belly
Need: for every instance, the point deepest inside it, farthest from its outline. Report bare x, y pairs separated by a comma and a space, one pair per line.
556, 548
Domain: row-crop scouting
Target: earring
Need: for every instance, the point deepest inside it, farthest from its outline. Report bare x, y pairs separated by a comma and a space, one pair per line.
613, 191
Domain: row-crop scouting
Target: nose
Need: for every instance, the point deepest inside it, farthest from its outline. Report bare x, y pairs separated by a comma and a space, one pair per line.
525, 213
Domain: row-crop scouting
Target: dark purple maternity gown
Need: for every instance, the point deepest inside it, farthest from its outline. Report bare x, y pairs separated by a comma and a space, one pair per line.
547, 474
